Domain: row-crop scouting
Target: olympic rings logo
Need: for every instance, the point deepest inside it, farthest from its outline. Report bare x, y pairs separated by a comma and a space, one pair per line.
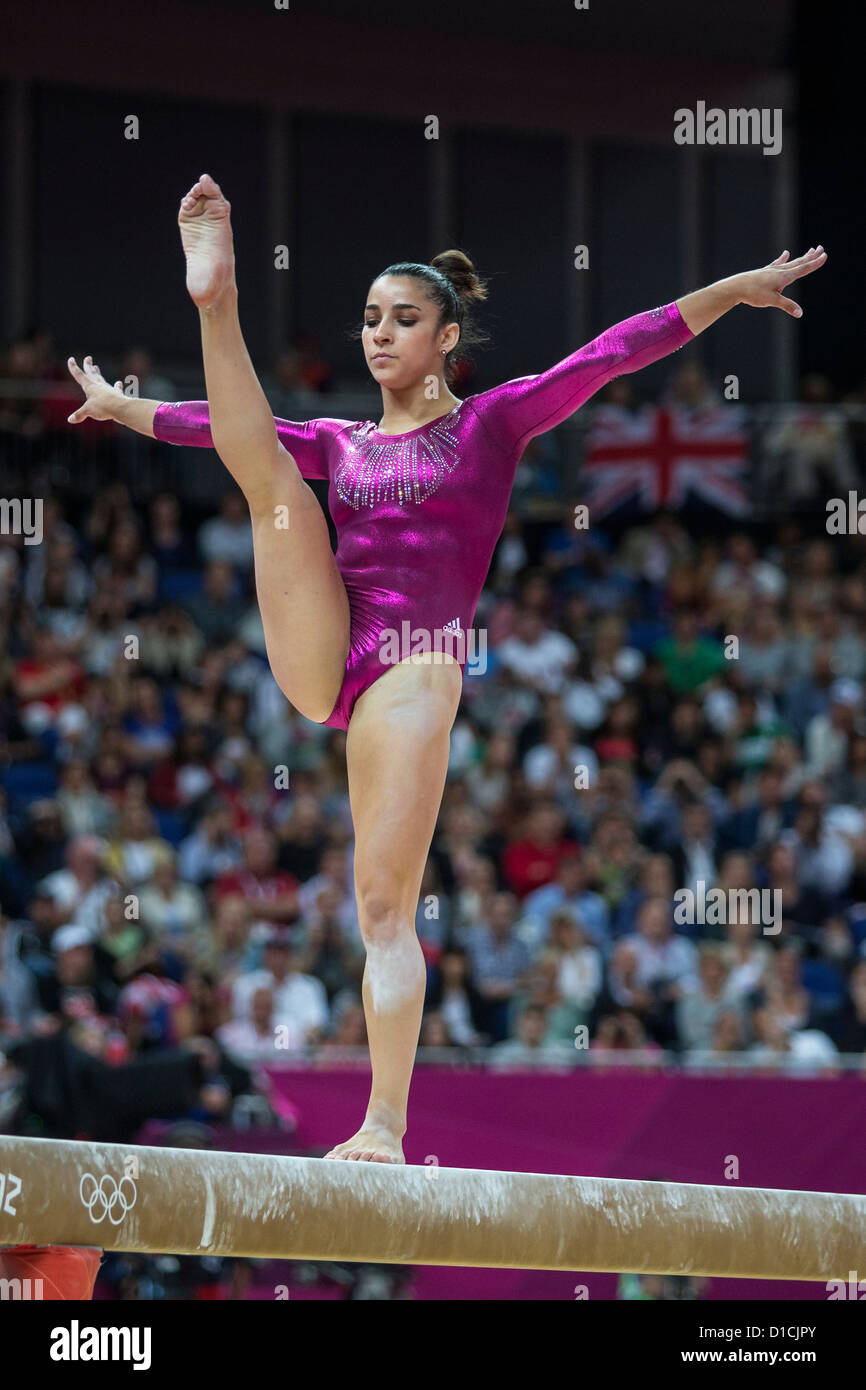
107, 1197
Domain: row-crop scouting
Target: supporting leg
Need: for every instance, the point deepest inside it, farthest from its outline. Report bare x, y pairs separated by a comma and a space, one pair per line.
397, 755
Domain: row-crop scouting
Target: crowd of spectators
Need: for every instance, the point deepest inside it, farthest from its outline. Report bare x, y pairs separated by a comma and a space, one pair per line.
660, 707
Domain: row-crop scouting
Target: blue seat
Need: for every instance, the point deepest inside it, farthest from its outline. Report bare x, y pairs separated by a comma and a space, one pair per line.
28, 781
172, 826
178, 584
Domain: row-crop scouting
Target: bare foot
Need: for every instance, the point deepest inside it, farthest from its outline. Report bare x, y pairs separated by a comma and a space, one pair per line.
372, 1144
206, 235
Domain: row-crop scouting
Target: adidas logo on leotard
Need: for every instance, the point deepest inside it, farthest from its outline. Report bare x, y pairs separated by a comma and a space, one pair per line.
453, 626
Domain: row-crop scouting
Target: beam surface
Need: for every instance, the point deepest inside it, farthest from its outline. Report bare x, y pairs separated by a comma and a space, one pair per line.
189, 1201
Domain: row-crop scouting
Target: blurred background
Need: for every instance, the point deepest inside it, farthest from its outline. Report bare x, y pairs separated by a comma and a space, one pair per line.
180, 959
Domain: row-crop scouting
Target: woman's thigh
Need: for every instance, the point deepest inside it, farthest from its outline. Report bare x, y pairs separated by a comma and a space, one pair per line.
301, 594
397, 750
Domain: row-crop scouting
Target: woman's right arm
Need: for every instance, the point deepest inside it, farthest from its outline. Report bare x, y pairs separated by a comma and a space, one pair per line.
188, 422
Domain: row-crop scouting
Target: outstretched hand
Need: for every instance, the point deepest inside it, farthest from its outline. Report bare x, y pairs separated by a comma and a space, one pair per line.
762, 289
100, 398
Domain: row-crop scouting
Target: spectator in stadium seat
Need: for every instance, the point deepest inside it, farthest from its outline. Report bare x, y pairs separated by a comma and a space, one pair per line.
743, 570
848, 784
579, 966
334, 874
270, 892
532, 1044
570, 892
620, 1032
706, 1000
689, 659
764, 648
333, 957
126, 567
694, 859
760, 822
531, 861
452, 993
255, 1039
81, 980
774, 1046
150, 725
847, 1026
110, 628
227, 539
653, 878
172, 911
80, 889
46, 682
300, 837
154, 1010
172, 646
498, 962
550, 766
168, 541
827, 734
666, 966
730, 1032
212, 849
135, 847
228, 949
219, 607
85, 810
299, 1000
536, 654
746, 955
783, 991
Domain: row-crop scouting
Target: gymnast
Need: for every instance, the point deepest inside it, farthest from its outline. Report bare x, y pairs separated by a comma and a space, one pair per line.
418, 501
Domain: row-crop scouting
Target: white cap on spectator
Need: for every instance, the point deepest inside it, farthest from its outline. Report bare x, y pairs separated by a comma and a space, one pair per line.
68, 937
845, 692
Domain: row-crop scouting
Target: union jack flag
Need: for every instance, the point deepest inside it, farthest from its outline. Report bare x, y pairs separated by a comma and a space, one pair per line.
661, 456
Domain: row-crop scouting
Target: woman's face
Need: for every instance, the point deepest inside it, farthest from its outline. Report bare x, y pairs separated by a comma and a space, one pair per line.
401, 337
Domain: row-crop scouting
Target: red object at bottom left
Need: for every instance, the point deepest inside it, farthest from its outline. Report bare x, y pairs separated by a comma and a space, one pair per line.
63, 1273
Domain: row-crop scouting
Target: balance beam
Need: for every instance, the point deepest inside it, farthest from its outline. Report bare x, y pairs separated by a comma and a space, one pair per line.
193, 1202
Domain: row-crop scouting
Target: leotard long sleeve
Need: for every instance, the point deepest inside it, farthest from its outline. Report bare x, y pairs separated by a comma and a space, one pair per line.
418, 514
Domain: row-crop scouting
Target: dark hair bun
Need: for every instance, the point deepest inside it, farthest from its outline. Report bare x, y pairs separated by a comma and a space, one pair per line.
457, 267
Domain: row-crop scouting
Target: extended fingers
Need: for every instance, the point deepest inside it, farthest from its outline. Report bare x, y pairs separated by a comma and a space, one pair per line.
87, 372
804, 265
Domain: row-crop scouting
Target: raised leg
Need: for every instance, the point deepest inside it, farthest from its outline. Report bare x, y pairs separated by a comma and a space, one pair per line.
302, 598
397, 757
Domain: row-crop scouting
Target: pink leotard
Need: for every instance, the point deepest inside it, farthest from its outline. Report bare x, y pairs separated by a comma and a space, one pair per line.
418, 515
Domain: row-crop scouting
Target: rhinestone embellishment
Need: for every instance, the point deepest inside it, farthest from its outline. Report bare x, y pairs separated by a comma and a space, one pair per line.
397, 470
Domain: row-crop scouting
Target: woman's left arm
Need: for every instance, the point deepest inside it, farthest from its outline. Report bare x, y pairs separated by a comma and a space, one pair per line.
762, 289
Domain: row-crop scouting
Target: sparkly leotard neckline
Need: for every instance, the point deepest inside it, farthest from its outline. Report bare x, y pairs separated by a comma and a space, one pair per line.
401, 468
418, 515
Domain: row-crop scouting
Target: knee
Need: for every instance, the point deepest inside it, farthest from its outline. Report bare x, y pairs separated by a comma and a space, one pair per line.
381, 913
